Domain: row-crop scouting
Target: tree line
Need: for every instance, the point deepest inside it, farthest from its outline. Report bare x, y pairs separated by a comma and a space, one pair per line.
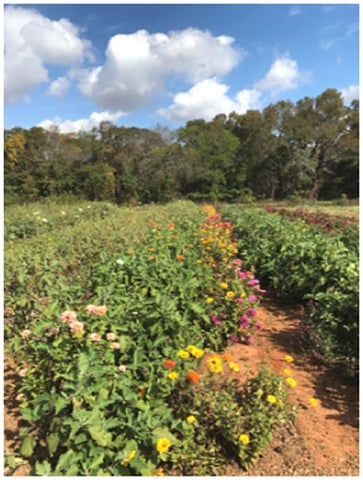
309, 148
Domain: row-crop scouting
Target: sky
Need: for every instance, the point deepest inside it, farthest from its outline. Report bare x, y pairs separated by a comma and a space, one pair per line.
75, 65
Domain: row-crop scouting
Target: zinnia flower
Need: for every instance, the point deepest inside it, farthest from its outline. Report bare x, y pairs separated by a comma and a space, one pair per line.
173, 375
159, 472
271, 398
191, 419
215, 364
101, 310
163, 445
122, 368
289, 358
215, 320
195, 351
110, 336
25, 333
183, 354
115, 346
230, 295
95, 337
291, 382
210, 300
287, 372
69, 316
193, 376
129, 457
233, 366
244, 438
313, 402
252, 298
169, 364
76, 327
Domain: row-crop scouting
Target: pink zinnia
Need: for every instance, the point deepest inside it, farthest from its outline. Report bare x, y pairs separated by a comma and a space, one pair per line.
76, 326
249, 339
115, 345
122, 368
69, 316
101, 310
258, 326
253, 282
242, 275
251, 312
95, 337
110, 336
25, 333
239, 300
252, 298
215, 320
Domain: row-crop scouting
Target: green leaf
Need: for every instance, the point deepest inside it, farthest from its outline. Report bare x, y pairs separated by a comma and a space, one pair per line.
52, 442
27, 447
43, 469
60, 404
101, 437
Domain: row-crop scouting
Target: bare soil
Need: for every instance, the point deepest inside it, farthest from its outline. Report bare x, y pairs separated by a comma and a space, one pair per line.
323, 441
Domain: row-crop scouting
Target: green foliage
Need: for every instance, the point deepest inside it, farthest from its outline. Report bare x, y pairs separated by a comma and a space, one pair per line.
309, 149
96, 394
306, 265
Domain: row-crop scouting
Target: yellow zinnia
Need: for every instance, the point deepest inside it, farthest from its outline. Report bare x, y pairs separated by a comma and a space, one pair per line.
313, 402
191, 419
271, 398
183, 354
163, 445
129, 457
287, 372
210, 300
289, 358
233, 366
215, 364
195, 351
173, 375
230, 295
291, 382
244, 438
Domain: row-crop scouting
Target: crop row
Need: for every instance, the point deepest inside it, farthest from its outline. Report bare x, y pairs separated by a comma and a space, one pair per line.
305, 265
115, 324
346, 228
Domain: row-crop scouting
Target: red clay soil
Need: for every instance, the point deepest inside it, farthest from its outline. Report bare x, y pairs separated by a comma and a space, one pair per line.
323, 441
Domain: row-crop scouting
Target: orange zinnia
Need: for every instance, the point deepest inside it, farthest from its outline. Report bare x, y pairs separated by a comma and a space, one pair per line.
169, 364
180, 257
193, 376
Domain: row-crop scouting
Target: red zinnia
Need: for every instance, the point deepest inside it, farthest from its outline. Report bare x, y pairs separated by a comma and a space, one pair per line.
169, 364
193, 376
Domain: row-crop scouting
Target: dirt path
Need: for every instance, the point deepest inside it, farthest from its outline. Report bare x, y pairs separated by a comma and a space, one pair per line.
324, 439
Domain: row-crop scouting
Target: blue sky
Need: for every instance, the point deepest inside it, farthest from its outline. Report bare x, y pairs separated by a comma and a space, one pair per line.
139, 65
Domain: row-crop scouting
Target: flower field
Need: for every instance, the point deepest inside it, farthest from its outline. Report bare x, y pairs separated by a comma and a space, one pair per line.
109, 319
119, 320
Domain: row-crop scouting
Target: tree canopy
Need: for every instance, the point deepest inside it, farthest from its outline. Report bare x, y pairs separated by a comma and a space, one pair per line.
310, 148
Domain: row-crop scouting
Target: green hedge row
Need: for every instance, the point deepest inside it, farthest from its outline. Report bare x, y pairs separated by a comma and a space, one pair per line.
310, 267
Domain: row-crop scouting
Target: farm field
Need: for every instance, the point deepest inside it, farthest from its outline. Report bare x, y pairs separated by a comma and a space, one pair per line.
142, 341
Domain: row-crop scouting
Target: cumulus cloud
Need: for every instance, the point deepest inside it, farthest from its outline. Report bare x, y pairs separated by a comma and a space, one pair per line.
206, 99
137, 65
284, 74
58, 87
84, 124
31, 42
349, 94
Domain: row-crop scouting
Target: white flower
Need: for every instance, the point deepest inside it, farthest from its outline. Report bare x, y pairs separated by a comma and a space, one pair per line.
44, 220
120, 262
122, 368
63, 212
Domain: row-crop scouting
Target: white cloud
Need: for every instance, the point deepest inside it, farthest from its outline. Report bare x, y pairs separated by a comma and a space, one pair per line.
137, 65
295, 10
206, 99
32, 41
84, 124
58, 87
349, 94
284, 74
